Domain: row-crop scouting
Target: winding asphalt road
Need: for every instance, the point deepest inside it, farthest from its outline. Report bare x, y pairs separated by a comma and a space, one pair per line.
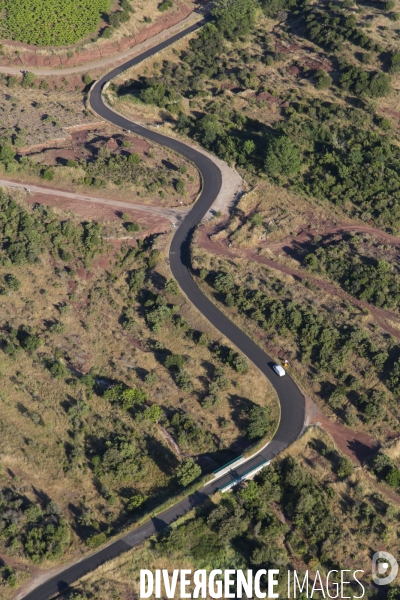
290, 397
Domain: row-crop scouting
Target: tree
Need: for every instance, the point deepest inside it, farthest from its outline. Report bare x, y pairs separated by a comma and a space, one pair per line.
87, 80
235, 17
125, 396
203, 339
153, 413
96, 540
258, 422
59, 370
31, 342
172, 287
240, 363
28, 79
165, 5
151, 379
120, 460
394, 62
12, 282
322, 79
283, 158
153, 258
48, 174
180, 187
132, 227
12, 81
257, 219
187, 472
379, 85
135, 502
7, 154
345, 468
154, 94
174, 361
134, 158
393, 477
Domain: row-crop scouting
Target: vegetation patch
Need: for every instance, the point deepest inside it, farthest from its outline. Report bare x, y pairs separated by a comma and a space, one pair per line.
366, 277
51, 23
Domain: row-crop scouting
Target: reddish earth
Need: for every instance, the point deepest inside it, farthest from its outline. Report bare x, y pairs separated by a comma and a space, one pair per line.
29, 56
78, 146
357, 445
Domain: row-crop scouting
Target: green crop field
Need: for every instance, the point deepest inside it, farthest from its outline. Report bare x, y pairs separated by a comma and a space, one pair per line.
51, 22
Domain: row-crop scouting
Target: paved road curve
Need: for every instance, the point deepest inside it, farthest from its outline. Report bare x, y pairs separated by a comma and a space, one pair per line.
290, 397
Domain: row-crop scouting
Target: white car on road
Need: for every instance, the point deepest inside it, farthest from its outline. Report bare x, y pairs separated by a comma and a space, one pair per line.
279, 370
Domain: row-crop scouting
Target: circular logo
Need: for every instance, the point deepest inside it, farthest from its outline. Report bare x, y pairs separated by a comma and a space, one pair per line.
381, 561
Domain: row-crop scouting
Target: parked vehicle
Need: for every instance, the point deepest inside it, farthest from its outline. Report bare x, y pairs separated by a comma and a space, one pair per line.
279, 370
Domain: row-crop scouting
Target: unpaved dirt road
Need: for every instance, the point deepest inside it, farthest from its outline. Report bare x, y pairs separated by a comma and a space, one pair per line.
175, 215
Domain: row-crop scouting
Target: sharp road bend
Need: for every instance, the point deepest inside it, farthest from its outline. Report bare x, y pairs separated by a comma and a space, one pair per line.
290, 397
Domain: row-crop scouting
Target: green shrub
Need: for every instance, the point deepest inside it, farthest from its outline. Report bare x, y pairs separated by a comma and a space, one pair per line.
96, 540
12, 282
134, 158
132, 227
47, 174
59, 371
187, 472
165, 5
153, 413
322, 79
259, 423
346, 467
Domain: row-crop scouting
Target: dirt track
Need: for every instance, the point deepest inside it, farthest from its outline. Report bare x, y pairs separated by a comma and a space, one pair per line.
174, 215
379, 314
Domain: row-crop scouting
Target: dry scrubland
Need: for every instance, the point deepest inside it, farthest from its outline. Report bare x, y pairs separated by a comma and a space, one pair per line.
35, 116
88, 308
274, 539
57, 140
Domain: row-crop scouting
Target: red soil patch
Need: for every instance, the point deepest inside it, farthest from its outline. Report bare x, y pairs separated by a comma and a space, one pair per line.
315, 65
268, 97
293, 70
391, 113
282, 49
357, 445
150, 224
